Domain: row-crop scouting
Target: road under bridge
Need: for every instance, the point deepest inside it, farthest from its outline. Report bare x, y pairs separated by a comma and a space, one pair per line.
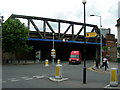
63, 48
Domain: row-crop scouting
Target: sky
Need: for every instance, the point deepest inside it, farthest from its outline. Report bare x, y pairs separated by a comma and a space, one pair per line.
71, 10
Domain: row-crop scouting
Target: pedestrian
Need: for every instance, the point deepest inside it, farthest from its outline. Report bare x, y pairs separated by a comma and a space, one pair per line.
105, 60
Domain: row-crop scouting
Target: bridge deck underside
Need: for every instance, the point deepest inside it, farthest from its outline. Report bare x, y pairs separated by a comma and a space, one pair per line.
63, 50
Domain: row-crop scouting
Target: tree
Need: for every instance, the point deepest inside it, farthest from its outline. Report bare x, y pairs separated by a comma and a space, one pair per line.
14, 36
105, 48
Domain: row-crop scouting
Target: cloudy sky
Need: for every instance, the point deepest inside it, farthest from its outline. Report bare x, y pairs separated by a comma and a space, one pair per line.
71, 10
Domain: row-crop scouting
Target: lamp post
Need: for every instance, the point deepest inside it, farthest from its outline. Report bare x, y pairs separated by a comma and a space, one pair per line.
1, 21
53, 40
53, 52
84, 68
100, 39
53, 49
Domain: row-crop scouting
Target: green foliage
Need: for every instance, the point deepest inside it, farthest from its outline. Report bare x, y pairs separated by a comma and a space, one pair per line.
14, 36
105, 48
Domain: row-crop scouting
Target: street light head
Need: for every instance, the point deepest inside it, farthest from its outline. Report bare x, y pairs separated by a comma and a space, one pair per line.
95, 15
92, 15
53, 34
84, 1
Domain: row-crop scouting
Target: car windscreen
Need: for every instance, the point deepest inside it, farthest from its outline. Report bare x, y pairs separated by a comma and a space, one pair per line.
74, 56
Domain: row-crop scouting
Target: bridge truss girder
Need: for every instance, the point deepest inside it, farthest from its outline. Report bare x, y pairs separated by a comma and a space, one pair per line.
58, 35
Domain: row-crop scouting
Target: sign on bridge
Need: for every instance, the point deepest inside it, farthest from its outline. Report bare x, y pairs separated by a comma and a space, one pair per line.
91, 34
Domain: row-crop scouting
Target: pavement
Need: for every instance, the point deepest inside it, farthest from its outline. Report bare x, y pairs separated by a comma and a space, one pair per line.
102, 70
111, 65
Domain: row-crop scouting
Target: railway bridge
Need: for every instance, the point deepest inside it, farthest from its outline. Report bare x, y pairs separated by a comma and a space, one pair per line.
68, 36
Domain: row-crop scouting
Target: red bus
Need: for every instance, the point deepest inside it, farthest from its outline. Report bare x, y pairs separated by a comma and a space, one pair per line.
75, 57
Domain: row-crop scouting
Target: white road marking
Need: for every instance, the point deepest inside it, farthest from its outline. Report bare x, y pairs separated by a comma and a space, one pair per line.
38, 76
24, 77
57, 80
28, 78
14, 80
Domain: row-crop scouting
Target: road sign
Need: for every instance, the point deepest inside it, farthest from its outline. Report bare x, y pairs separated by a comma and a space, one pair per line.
91, 34
53, 53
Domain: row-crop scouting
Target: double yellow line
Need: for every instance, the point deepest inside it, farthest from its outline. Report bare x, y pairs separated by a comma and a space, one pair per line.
95, 70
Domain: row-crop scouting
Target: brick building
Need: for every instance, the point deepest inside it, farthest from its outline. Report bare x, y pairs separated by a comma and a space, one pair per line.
111, 44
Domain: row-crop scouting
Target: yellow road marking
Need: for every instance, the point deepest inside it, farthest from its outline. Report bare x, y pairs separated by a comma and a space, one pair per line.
90, 68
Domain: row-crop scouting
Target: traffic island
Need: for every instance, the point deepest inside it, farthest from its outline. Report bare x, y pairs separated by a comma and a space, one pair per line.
57, 79
111, 87
58, 73
113, 79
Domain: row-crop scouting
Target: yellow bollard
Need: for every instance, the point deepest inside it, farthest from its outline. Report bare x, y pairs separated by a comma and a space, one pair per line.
46, 63
58, 73
114, 77
58, 61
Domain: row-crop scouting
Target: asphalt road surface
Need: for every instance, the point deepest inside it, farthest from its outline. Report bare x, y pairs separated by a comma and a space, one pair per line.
37, 76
